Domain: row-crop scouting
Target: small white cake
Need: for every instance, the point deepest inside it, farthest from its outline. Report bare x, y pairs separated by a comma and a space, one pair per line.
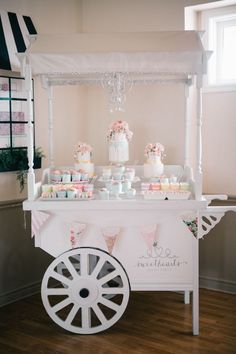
119, 136
82, 157
153, 167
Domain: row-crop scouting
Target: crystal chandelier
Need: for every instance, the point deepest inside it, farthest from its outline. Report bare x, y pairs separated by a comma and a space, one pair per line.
116, 85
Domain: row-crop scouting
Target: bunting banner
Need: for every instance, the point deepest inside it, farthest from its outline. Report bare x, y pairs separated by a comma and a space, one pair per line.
191, 222
14, 38
76, 231
38, 219
110, 235
149, 235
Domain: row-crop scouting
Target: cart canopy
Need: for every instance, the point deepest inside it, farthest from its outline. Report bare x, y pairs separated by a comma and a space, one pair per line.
169, 52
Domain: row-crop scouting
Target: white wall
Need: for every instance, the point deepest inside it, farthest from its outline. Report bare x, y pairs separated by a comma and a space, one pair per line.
219, 143
134, 15
49, 16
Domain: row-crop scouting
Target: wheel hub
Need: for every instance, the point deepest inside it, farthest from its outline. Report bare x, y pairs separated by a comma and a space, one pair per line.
85, 291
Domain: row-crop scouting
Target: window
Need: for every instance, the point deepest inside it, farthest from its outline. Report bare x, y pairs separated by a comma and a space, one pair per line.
13, 120
220, 26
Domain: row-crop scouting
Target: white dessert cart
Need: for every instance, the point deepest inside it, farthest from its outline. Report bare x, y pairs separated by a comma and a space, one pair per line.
152, 244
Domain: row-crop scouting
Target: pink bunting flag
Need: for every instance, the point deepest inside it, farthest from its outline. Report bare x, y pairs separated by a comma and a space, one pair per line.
38, 219
76, 230
110, 235
149, 235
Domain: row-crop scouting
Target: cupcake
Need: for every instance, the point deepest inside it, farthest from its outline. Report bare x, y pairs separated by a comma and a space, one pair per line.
184, 186
61, 193
173, 179
145, 186
155, 186
174, 186
131, 193
56, 176
126, 185
84, 176
165, 184
66, 177
104, 194
106, 173
46, 188
45, 195
129, 173
71, 193
75, 176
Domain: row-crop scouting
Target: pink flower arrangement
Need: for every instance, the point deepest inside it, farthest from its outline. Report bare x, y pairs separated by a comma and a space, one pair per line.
156, 148
119, 126
83, 148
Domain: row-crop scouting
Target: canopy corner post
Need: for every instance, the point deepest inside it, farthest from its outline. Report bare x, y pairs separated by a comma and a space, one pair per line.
50, 125
198, 167
187, 157
30, 132
48, 87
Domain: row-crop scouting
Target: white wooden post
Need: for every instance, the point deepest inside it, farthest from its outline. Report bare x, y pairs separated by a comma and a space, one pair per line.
187, 297
187, 128
195, 302
30, 132
198, 168
50, 126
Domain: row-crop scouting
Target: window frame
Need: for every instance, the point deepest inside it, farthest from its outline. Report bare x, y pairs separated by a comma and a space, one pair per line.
13, 149
213, 21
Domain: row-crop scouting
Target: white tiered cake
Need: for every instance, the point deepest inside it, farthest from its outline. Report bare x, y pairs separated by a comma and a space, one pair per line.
119, 136
83, 159
153, 167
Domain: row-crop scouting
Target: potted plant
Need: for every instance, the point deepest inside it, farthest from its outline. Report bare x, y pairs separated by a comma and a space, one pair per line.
16, 160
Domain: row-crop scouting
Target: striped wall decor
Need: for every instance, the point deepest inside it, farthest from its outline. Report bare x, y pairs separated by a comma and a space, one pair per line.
14, 31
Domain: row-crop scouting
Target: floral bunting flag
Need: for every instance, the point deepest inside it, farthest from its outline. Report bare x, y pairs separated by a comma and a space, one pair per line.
192, 223
76, 230
149, 235
110, 235
38, 219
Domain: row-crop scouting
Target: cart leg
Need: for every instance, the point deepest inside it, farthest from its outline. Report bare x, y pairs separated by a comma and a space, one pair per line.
187, 297
195, 302
195, 312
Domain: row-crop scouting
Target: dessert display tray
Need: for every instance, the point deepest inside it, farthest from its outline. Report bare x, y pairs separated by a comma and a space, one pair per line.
105, 180
67, 199
88, 181
168, 195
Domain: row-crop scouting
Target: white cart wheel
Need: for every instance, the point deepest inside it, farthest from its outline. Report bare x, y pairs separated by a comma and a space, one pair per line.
76, 290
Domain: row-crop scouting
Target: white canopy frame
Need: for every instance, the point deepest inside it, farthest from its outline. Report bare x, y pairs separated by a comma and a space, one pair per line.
149, 58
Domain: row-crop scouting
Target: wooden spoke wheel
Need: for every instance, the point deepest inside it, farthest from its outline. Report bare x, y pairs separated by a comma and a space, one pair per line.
85, 290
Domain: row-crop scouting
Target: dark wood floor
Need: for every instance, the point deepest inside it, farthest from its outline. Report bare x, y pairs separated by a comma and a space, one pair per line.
154, 322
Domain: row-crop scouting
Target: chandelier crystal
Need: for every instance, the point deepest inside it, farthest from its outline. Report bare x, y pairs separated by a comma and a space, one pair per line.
117, 85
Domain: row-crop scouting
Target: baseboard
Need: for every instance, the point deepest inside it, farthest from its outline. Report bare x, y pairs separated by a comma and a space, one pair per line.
226, 286
20, 293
